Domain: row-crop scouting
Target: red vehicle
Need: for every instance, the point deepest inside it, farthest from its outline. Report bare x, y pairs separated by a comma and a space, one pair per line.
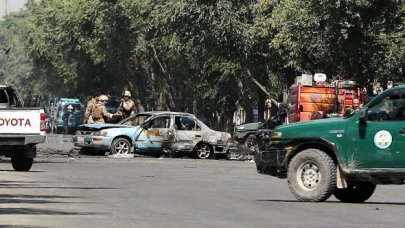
322, 100
307, 100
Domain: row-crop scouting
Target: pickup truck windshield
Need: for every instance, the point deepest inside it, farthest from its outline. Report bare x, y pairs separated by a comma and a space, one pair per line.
390, 108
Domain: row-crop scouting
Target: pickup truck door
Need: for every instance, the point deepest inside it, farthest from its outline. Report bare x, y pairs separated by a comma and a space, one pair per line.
379, 142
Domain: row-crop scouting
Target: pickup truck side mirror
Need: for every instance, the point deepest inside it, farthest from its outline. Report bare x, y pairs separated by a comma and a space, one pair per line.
363, 117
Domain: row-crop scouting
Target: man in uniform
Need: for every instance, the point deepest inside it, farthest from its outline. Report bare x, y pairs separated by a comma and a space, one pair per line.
89, 108
65, 118
99, 112
127, 105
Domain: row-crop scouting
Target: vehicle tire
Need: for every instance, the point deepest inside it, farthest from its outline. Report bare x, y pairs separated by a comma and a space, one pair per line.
203, 151
356, 192
21, 164
312, 176
120, 146
251, 144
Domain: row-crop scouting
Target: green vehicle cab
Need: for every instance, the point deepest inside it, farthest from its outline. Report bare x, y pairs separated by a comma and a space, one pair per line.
346, 157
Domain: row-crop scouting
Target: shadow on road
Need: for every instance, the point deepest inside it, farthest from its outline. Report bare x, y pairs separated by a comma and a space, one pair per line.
37, 211
30, 201
12, 170
336, 202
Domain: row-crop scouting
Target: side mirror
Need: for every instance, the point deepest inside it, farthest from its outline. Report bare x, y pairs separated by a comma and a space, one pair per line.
363, 117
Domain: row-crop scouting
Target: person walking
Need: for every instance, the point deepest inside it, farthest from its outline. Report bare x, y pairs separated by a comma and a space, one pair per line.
65, 118
127, 105
89, 108
99, 113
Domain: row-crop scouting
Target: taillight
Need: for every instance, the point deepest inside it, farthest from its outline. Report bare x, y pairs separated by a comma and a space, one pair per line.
43, 121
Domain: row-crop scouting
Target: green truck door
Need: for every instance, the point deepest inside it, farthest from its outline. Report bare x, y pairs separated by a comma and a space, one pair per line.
380, 142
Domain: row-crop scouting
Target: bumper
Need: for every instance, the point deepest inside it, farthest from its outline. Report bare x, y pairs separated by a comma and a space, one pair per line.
98, 142
19, 140
270, 162
220, 150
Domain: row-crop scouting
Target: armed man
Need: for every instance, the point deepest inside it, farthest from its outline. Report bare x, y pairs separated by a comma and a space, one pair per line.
127, 105
99, 113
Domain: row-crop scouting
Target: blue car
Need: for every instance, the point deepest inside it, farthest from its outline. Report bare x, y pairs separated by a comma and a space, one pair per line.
155, 133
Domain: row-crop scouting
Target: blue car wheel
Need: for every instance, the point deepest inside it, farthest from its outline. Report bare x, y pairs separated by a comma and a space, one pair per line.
120, 146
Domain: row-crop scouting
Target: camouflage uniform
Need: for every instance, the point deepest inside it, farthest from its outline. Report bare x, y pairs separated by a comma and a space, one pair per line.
127, 108
127, 105
103, 113
89, 108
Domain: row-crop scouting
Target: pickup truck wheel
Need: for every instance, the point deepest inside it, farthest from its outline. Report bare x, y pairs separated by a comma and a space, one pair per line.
356, 192
203, 151
312, 176
21, 163
120, 146
251, 144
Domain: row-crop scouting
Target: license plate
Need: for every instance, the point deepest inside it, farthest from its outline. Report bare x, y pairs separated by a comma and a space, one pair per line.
80, 139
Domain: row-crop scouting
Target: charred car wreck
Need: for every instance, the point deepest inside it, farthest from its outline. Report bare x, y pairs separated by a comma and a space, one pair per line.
156, 133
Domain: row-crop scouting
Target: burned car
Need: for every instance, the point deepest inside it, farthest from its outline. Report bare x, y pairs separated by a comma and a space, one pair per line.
156, 133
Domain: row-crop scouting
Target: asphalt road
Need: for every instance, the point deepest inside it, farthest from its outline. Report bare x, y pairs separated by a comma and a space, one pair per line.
64, 189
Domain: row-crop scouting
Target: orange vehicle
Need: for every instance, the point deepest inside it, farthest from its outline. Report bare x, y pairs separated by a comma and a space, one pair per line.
321, 100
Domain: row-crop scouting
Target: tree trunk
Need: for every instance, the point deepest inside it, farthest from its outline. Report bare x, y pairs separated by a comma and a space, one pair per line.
261, 105
160, 102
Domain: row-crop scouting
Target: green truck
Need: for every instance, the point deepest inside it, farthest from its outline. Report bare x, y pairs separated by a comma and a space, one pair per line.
346, 157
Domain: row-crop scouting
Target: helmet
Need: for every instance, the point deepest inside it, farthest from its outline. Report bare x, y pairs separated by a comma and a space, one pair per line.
103, 98
70, 107
126, 93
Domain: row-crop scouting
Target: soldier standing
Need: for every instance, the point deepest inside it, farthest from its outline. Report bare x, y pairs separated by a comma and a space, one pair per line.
99, 112
89, 108
127, 105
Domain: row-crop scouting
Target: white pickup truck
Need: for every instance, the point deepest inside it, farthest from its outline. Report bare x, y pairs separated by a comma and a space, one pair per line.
21, 128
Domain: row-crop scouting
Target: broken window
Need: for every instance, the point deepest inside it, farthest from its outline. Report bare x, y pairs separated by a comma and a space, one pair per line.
160, 122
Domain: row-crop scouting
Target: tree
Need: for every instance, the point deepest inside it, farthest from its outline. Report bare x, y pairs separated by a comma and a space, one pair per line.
340, 38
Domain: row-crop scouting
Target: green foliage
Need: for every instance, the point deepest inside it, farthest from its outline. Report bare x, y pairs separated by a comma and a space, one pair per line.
198, 56
340, 38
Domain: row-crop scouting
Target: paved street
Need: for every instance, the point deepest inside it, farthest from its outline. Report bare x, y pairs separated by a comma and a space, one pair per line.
97, 191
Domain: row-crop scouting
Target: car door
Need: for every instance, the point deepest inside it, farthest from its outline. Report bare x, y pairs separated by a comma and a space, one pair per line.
379, 141
187, 133
157, 135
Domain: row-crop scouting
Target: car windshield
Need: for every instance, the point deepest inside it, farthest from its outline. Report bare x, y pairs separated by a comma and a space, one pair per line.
77, 108
135, 120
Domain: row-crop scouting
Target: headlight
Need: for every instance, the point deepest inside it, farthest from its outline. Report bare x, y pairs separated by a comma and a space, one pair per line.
100, 133
276, 134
